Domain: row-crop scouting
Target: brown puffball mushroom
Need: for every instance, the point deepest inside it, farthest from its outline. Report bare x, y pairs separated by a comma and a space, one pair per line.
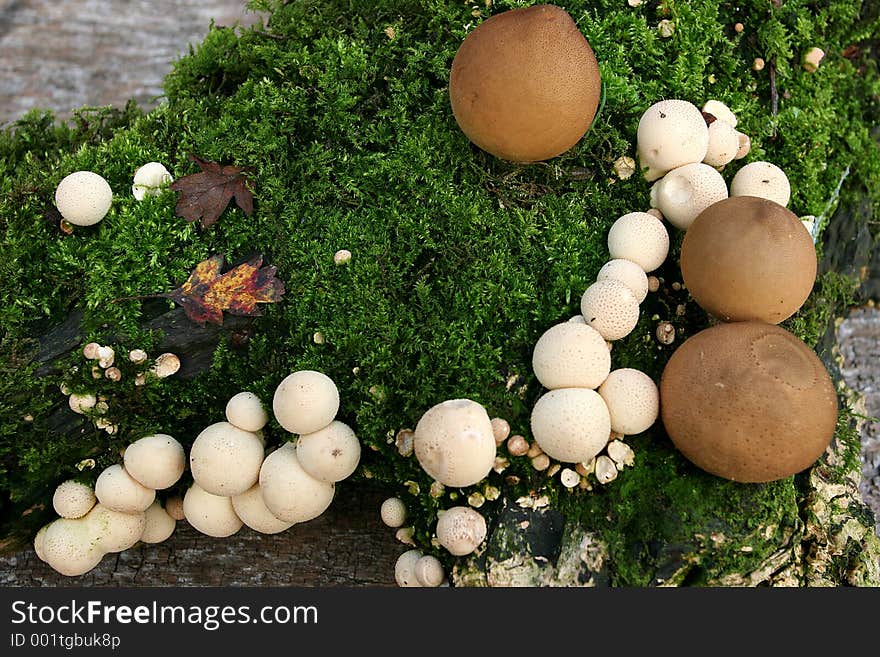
747, 258
748, 402
117, 490
158, 524
525, 84
571, 355
225, 460
73, 499
155, 461
461, 530
290, 493
250, 507
209, 514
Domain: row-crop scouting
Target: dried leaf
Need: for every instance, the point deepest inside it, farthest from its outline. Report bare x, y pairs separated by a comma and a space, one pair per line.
205, 195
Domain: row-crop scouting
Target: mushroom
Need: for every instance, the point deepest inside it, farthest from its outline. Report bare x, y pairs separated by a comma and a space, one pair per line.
641, 238
80, 403
150, 179
571, 425
671, 133
747, 258
621, 453
225, 460
118, 491
212, 515
812, 58
525, 84
83, 198
73, 499
429, 571
137, 356
305, 401
611, 308
113, 373
723, 144
174, 507
38, 543
745, 146
605, 470
393, 512
342, 257
685, 192
454, 442
114, 531
330, 454
290, 493
405, 569
250, 507
245, 411
90, 351
721, 112
748, 402
106, 356
517, 446
632, 399
155, 461
628, 273
500, 429
571, 355
569, 478
165, 365
158, 524
461, 530
69, 547
764, 180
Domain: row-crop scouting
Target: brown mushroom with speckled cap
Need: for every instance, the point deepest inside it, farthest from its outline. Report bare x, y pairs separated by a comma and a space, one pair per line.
748, 402
525, 84
747, 258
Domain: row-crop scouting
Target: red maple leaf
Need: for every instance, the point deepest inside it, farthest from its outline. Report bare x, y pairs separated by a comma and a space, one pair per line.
205, 195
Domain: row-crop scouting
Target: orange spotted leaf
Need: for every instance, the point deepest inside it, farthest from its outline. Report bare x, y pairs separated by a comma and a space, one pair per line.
205, 195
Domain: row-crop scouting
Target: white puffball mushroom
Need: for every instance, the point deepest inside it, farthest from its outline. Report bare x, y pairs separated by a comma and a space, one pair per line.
454, 442
745, 146
671, 133
628, 273
38, 543
764, 180
685, 192
155, 461
212, 515
461, 530
500, 429
290, 493
330, 454
812, 58
225, 460
405, 569
119, 491
150, 179
721, 112
158, 524
305, 401
393, 512
83, 198
115, 531
252, 509
571, 355
571, 425
611, 308
80, 403
723, 144
429, 571
245, 410
632, 399
69, 547
641, 238
73, 499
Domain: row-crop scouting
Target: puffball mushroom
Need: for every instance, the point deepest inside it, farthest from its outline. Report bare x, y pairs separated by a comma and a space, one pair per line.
640, 238
330, 454
155, 461
305, 401
671, 133
250, 507
611, 308
83, 198
115, 531
684, 193
245, 410
212, 515
405, 569
150, 179
571, 425
225, 460
632, 399
38, 543
118, 491
289, 492
73, 499
748, 402
628, 273
158, 524
721, 112
461, 530
174, 507
69, 547
747, 258
525, 84
393, 512
429, 571
764, 180
571, 355
723, 144
454, 442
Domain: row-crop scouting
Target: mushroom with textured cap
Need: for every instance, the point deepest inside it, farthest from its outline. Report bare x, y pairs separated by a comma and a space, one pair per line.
671, 133
38, 543
290, 493
91, 351
329, 454
245, 410
611, 308
605, 470
80, 403
454, 442
640, 238
812, 59
115, 531
500, 429
165, 365
252, 509
393, 512
628, 273
723, 144
158, 524
174, 507
764, 180
748, 401
571, 355
461, 530
621, 453
517, 445
212, 515
721, 112
747, 258
429, 571
106, 356
571, 425
83, 198
119, 491
225, 460
150, 179
405, 569
70, 548
684, 193
632, 399
137, 356
525, 84
305, 401
155, 461
73, 499
745, 146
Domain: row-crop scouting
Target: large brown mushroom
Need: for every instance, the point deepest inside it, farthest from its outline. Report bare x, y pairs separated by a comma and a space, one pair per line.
748, 401
525, 84
747, 258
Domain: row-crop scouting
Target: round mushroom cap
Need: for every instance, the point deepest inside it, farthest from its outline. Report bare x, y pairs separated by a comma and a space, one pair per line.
632, 399
245, 410
748, 402
225, 460
671, 133
115, 531
764, 180
250, 507
723, 144
393, 512
73, 499
571, 425
628, 273
158, 525
429, 571
305, 401
83, 198
80, 403
150, 179
38, 543
641, 238
571, 355
212, 515
611, 308
525, 84
290, 493
155, 461
69, 547
405, 569
721, 112
330, 454
117, 490
454, 442
461, 530
683, 193
174, 507
747, 258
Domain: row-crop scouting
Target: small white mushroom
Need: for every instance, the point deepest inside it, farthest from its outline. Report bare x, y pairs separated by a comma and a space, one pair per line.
764, 180
166, 364
137, 356
671, 133
685, 192
245, 410
723, 144
569, 478
342, 257
113, 373
174, 507
150, 179
305, 401
405, 535
611, 308
812, 58
69, 547
90, 351
212, 515
158, 524
628, 273
744, 146
118, 491
393, 512
500, 429
721, 112
155, 461
621, 453
114, 531
83, 198
252, 509
106, 356
405, 569
330, 454
541, 462
570, 355
290, 493
405, 442
80, 403
429, 571
606, 471
641, 238
624, 167
225, 460
461, 530
571, 424
632, 399
73, 499
517, 445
